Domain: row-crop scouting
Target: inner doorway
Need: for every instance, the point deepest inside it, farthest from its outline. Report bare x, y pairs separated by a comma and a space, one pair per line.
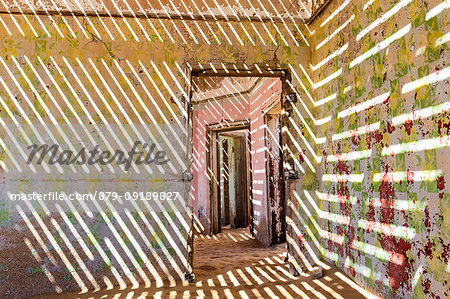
229, 159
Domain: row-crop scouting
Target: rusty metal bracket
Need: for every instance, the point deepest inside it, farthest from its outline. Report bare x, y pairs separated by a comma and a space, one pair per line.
187, 176
291, 175
189, 277
290, 98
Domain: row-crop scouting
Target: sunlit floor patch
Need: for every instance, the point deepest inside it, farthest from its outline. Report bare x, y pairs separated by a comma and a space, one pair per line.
235, 265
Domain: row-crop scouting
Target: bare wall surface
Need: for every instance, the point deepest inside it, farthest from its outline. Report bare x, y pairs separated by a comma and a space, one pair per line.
105, 71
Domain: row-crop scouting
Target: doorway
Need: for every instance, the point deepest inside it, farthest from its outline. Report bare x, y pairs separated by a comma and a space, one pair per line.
234, 183
238, 178
229, 159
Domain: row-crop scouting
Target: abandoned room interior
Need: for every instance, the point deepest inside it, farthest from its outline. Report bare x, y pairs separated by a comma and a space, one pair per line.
224, 149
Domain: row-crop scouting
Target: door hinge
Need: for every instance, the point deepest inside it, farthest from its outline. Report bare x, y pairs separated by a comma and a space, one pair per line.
187, 176
290, 98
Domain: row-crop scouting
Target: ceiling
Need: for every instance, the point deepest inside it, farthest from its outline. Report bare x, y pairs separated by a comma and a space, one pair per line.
298, 11
207, 88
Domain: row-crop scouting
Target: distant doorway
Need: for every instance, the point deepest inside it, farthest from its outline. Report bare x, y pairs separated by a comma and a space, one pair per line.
234, 179
230, 160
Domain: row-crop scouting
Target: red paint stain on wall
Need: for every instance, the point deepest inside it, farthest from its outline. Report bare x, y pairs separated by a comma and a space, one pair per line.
397, 274
444, 126
408, 126
387, 198
440, 183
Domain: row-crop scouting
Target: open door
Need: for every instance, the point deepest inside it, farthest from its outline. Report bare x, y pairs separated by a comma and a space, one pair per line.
275, 179
234, 179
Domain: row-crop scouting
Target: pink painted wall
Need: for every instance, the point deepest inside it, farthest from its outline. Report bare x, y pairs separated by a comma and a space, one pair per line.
245, 107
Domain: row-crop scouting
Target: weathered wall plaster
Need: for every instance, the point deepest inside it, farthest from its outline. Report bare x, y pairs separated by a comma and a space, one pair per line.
135, 65
378, 205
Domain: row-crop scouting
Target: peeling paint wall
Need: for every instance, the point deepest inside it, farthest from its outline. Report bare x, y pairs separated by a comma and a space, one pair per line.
374, 197
261, 98
275, 178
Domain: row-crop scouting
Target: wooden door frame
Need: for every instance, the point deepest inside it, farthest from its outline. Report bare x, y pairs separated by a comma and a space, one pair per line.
232, 70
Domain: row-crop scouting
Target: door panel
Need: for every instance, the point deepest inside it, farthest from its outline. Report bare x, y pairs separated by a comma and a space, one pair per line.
275, 192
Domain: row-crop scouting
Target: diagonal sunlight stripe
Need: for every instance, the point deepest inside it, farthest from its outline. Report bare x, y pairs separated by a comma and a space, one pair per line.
356, 132
427, 80
384, 44
98, 112
44, 267
317, 157
317, 122
25, 116
124, 247
391, 12
54, 244
69, 105
335, 13
6, 149
105, 103
141, 102
44, 106
416, 146
300, 151
78, 99
4, 25
413, 176
55, 103
136, 113
155, 104
14, 138
364, 105
326, 40
350, 156
329, 57
96, 244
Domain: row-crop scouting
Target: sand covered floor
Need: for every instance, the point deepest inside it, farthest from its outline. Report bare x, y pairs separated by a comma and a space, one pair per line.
234, 265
